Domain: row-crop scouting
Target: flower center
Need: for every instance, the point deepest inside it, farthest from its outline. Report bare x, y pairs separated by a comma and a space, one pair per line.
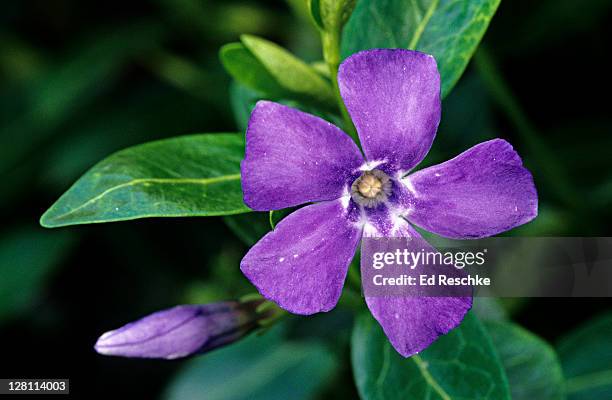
371, 188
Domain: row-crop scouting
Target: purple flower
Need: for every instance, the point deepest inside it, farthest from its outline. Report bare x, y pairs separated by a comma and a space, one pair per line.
182, 331
292, 158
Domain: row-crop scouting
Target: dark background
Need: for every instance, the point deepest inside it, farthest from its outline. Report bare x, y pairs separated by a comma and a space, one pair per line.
79, 80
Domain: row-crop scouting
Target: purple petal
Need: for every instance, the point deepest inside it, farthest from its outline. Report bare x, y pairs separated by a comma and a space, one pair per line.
481, 192
180, 331
393, 97
412, 322
302, 264
294, 158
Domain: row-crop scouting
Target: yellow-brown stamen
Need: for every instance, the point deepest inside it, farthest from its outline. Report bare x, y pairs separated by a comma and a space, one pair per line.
371, 188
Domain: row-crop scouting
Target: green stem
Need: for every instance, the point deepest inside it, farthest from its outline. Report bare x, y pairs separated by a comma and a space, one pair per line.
271, 219
548, 166
268, 312
331, 53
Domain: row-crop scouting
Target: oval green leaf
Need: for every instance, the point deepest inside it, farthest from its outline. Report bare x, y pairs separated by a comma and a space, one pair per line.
532, 366
195, 175
447, 29
273, 71
460, 365
290, 72
242, 65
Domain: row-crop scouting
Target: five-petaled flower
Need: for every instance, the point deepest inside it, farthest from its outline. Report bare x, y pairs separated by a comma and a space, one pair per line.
293, 158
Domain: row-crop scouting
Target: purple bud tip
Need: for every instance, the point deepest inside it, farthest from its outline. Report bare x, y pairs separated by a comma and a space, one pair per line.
180, 331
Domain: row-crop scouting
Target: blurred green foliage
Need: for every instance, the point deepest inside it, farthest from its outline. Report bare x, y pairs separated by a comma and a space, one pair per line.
260, 367
27, 259
586, 357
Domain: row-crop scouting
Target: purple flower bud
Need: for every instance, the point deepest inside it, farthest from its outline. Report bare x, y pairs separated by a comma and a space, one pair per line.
182, 331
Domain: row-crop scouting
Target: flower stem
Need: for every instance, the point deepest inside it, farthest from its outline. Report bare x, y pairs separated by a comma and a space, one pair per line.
268, 312
271, 314
271, 219
548, 166
330, 41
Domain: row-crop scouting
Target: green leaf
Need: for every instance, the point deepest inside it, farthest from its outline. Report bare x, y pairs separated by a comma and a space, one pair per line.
246, 69
28, 257
289, 71
460, 365
531, 364
268, 68
586, 358
447, 29
196, 175
259, 367
322, 68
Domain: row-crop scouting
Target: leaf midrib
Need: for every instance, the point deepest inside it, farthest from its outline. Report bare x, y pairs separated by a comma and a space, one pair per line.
418, 32
133, 182
421, 365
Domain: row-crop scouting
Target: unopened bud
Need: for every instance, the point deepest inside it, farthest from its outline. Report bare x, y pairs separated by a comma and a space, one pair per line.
182, 331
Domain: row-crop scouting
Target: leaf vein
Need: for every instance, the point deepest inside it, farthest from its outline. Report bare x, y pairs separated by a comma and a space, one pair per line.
421, 27
194, 181
429, 378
